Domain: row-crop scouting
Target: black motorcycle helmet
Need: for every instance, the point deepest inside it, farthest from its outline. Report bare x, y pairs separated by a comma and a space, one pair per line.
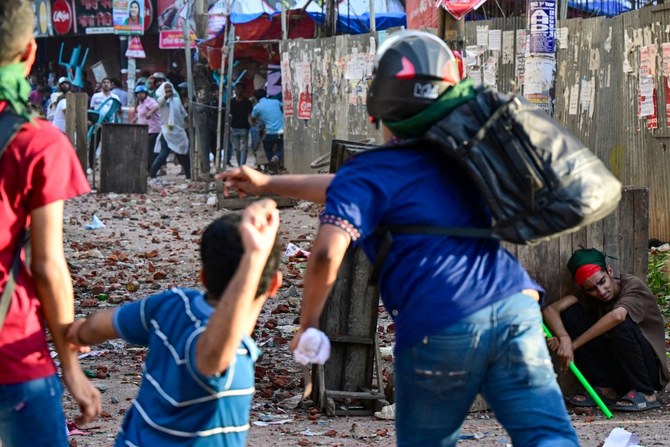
412, 69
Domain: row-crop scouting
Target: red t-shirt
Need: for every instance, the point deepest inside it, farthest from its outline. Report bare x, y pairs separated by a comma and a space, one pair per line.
38, 167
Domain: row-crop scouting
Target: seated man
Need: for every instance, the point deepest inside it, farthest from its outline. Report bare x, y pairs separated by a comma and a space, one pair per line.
615, 331
198, 377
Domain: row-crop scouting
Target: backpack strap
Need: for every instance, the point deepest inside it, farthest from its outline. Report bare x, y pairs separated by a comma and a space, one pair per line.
386, 233
10, 285
10, 124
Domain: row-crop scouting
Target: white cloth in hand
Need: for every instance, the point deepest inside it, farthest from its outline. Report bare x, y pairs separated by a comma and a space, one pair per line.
313, 347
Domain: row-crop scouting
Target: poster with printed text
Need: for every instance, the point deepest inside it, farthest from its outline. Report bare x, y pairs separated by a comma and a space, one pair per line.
128, 17
304, 78
542, 26
287, 87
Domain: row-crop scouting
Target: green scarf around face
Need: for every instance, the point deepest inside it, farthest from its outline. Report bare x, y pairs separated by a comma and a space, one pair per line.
415, 126
14, 88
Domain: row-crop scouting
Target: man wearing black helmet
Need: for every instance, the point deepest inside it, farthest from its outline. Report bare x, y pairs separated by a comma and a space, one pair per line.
465, 311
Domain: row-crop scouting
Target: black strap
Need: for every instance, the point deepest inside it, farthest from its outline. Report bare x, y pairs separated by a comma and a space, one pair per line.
387, 232
10, 285
10, 124
486, 233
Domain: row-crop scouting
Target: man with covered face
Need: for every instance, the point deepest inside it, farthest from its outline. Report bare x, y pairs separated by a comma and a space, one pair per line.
613, 329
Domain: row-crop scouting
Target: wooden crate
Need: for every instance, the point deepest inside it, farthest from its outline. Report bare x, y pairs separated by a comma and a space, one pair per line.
349, 319
123, 158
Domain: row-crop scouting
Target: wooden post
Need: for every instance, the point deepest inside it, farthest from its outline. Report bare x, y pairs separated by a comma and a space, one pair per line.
229, 93
76, 124
373, 19
230, 36
123, 158
450, 30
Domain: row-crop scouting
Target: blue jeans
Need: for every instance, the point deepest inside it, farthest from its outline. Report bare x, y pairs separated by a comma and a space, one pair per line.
273, 144
31, 414
161, 158
500, 352
240, 141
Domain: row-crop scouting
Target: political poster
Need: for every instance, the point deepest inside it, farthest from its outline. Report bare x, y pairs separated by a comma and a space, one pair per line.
128, 17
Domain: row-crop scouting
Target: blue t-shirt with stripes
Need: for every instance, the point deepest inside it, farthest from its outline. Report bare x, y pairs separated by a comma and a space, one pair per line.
176, 405
427, 281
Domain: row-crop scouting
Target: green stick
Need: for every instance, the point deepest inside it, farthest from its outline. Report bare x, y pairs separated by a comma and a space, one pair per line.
589, 389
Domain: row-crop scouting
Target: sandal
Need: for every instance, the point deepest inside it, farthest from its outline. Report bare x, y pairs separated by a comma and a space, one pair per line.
638, 402
584, 400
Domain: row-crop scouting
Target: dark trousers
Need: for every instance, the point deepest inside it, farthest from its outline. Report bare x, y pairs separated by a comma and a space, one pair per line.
273, 144
621, 358
151, 155
160, 160
93, 145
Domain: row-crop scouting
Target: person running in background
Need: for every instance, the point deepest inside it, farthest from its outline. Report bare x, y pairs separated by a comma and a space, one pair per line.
172, 137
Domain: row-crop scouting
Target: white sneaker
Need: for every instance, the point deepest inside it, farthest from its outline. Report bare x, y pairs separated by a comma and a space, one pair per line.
387, 413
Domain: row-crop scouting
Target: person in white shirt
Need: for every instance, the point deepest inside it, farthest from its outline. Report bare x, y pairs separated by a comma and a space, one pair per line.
56, 111
97, 100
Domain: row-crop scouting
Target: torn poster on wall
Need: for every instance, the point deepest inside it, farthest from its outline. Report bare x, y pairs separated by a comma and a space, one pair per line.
304, 75
539, 76
521, 46
647, 88
665, 51
287, 88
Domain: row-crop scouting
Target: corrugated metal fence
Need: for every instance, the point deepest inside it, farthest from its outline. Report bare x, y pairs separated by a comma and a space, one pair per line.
597, 93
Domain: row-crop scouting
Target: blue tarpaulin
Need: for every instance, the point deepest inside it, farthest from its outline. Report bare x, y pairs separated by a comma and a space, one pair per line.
601, 8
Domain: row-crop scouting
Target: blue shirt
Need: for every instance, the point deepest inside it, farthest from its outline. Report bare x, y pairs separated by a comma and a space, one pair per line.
176, 405
269, 111
427, 282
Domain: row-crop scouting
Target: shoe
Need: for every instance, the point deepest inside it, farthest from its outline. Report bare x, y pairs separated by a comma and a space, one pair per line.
635, 401
275, 159
162, 171
387, 413
89, 171
585, 400
230, 165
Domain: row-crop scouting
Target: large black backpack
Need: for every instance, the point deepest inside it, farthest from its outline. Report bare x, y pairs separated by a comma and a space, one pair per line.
539, 180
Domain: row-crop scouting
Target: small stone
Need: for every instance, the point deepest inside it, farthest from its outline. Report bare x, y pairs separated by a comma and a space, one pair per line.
290, 292
115, 299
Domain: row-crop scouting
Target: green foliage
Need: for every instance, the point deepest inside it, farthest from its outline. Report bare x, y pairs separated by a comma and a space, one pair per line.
657, 279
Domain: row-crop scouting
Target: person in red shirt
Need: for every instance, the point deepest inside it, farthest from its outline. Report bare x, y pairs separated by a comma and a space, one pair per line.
38, 171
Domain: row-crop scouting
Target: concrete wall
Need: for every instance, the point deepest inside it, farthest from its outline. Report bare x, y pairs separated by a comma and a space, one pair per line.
337, 70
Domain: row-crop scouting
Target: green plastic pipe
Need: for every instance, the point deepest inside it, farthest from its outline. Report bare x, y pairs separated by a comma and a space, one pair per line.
589, 389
